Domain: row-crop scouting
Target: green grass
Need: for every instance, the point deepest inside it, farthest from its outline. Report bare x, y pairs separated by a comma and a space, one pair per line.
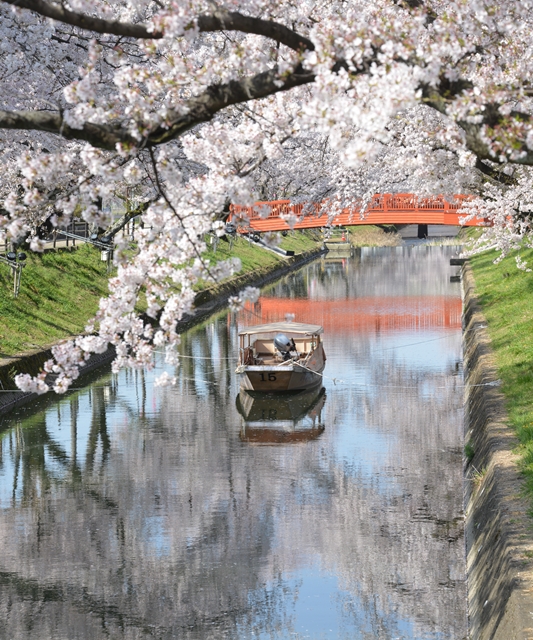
372, 236
469, 452
60, 290
506, 295
254, 256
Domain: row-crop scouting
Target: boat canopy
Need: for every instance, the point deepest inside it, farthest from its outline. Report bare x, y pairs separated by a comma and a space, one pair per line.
283, 327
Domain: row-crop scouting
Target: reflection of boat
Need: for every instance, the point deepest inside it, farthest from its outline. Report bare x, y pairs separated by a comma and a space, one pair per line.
281, 356
274, 419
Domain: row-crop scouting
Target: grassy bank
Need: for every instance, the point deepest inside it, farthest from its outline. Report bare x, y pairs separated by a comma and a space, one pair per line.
506, 296
254, 256
60, 290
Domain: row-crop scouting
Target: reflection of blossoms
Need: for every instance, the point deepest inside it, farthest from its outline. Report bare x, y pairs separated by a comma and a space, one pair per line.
165, 380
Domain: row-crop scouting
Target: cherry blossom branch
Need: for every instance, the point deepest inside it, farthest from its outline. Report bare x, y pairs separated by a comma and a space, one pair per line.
488, 116
197, 110
163, 194
101, 136
218, 21
495, 174
83, 21
234, 21
215, 98
202, 108
477, 142
218, 97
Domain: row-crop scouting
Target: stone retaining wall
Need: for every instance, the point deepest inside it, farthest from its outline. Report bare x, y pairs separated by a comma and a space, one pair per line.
498, 529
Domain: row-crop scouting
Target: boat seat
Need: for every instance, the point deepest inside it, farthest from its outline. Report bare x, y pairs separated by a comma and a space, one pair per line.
264, 346
266, 353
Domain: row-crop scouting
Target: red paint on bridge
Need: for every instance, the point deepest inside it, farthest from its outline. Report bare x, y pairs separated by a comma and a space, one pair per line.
400, 208
369, 315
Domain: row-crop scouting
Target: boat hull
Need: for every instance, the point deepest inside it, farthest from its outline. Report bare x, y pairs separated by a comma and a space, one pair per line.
272, 379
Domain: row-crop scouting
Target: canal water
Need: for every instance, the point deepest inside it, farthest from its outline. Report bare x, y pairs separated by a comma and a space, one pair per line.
131, 511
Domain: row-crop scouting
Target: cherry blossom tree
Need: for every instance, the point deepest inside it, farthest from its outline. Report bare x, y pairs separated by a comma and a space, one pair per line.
197, 104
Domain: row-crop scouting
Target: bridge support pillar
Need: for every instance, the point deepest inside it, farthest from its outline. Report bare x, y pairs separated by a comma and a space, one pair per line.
422, 231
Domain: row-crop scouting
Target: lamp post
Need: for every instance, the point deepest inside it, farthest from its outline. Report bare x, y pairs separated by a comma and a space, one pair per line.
107, 251
17, 262
231, 231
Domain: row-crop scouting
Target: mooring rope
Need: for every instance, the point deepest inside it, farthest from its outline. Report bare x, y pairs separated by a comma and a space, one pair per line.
492, 383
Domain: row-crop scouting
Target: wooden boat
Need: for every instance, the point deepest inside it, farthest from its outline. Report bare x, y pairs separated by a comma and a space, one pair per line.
281, 356
288, 419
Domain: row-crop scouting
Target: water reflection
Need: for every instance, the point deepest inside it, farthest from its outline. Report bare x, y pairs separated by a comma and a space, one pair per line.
275, 419
130, 511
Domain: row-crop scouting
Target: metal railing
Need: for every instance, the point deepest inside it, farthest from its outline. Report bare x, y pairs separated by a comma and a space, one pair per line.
384, 208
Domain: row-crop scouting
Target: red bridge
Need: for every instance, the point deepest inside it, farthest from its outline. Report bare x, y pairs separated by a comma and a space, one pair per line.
399, 208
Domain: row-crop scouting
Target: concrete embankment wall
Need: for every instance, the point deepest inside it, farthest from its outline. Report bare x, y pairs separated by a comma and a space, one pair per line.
206, 302
498, 528
11, 398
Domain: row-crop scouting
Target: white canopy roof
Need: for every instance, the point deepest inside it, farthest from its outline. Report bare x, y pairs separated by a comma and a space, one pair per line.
283, 327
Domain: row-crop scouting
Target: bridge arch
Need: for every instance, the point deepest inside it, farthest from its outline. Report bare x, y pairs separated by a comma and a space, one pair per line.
387, 208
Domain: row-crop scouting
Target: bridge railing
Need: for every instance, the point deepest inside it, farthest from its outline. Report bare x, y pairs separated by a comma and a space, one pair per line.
384, 208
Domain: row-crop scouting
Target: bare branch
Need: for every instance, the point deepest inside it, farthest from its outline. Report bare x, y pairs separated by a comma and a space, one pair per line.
101, 136
121, 222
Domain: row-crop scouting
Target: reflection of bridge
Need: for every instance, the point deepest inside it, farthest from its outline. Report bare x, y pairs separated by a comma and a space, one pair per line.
371, 315
400, 208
